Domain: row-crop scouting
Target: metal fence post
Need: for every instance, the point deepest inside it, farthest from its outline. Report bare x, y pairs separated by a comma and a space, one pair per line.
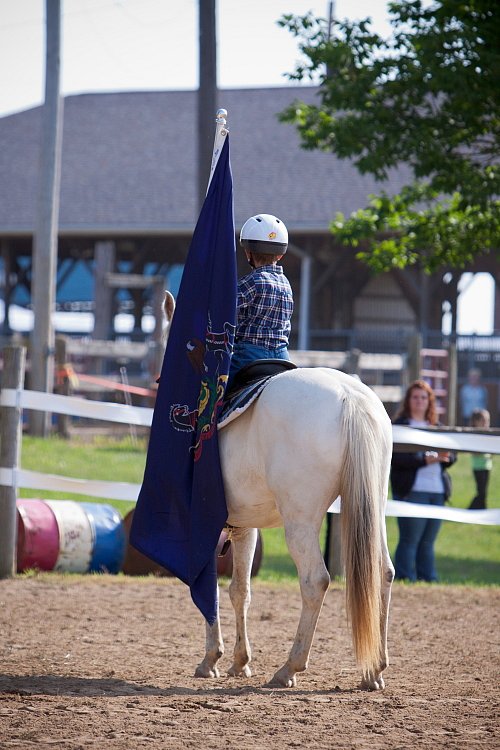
14, 358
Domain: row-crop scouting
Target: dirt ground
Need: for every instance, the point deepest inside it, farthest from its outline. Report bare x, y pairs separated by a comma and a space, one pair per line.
107, 662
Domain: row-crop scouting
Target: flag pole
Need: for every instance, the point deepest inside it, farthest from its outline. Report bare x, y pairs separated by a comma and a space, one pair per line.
220, 135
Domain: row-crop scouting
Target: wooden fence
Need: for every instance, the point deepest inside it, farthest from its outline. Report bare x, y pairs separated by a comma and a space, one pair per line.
14, 398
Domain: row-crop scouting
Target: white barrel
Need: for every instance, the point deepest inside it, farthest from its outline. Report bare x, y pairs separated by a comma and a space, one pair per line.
75, 536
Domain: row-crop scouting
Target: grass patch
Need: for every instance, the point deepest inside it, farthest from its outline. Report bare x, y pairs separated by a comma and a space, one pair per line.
103, 458
466, 553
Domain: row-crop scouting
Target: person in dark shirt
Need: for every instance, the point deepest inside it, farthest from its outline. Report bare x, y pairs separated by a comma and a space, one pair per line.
419, 478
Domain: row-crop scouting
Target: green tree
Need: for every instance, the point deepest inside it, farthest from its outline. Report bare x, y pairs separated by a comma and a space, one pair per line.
428, 96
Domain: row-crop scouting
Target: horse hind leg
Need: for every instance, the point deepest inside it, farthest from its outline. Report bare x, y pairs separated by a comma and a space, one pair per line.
244, 542
376, 681
214, 649
303, 544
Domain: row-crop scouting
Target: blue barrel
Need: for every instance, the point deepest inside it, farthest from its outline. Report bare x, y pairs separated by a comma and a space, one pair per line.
108, 534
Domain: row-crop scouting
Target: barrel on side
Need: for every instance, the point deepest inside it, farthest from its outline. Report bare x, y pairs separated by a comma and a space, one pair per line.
37, 535
75, 536
67, 536
109, 539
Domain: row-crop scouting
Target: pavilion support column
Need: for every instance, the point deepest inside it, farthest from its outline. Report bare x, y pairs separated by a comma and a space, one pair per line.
303, 338
304, 305
138, 298
453, 300
7, 266
104, 265
423, 311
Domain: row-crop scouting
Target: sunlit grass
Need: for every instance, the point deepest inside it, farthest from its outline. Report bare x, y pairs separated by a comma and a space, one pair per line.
466, 553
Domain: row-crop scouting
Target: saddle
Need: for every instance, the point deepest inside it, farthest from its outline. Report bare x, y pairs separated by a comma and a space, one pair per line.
258, 370
247, 385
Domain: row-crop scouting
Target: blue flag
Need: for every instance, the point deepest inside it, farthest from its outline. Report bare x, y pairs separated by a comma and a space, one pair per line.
181, 508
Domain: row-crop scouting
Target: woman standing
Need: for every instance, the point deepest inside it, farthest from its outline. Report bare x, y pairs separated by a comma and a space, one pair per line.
419, 478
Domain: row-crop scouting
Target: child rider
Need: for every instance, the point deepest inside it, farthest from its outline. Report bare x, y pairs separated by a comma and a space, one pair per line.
265, 299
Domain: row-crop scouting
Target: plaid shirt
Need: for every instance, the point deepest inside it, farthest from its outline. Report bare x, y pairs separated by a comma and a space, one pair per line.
265, 306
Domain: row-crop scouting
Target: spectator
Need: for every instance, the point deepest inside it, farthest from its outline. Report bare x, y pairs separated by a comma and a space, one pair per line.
419, 478
473, 395
481, 462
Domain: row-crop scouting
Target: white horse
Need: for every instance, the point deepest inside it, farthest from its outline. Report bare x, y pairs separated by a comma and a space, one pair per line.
313, 434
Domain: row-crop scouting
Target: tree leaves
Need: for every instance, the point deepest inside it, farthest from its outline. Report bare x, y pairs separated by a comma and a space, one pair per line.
427, 96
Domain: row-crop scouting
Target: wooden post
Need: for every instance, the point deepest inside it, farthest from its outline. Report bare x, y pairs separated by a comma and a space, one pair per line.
352, 361
103, 295
43, 285
14, 358
414, 349
63, 385
452, 384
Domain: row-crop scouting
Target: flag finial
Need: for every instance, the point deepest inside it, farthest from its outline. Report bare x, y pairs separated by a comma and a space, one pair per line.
220, 121
220, 134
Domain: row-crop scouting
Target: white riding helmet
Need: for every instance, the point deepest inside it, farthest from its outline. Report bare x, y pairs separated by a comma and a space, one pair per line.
265, 234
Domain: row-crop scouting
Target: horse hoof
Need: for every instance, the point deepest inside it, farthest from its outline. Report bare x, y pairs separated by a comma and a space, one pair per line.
373, 683
243, 672
282, 680
203, 671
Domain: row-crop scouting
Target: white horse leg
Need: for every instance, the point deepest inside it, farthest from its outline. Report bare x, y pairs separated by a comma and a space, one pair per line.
303, 544
214, 649
244, 542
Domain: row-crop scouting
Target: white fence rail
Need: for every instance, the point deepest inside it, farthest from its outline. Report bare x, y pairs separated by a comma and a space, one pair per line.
405, 438
76, 407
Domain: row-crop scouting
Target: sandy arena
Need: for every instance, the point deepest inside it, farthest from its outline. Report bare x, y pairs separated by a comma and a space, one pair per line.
108, 664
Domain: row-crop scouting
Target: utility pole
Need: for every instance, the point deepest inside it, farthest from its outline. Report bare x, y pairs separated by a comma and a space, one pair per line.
207, 93
331, 18
43, 284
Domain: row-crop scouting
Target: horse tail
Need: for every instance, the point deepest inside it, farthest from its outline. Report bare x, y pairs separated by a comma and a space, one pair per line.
363, 488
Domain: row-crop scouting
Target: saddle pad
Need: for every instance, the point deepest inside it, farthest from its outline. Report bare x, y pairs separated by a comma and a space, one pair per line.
241, 400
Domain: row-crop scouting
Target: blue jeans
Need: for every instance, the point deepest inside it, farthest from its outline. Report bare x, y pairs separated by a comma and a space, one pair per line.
244, 353
414, 559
